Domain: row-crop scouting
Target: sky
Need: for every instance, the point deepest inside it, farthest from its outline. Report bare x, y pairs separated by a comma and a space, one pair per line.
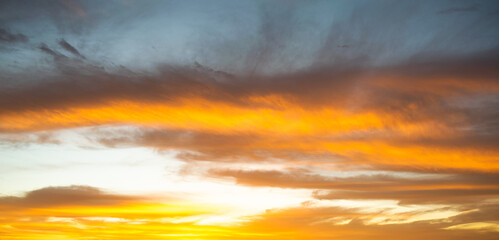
200, 120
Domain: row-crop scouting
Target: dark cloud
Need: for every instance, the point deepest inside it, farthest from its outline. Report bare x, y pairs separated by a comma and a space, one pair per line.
68, 47
80, 84
66, 15
412, 83
196, 145
306, 179
441, 189
210, 146
51, 52
65, 196
425, 66
206, 146
471, 8
8, 37
337, 76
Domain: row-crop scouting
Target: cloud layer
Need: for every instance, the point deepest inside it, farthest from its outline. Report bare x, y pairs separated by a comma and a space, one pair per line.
355, 102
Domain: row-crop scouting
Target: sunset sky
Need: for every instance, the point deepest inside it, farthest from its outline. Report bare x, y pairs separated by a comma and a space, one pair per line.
246, 120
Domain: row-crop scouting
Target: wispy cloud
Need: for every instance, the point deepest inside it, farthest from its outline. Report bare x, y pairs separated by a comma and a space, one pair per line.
8, 37
471, 8
68, 47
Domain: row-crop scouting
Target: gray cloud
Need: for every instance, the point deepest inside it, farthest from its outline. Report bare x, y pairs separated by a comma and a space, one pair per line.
51, 52
6, 36
68, 47
471, 8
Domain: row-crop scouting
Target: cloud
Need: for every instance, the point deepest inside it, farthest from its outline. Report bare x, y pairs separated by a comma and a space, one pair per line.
83, 211
308, 86
377, 182
312, 86
382, 92
26, 139
342, 149
68, 47
434, 196
65, 196
471, 8
6, 36
51, 52
52, 214
310, 222
423, 189
66, 16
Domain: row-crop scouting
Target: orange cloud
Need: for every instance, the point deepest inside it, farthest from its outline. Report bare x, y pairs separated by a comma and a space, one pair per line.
97, 214
362, 137
81, 211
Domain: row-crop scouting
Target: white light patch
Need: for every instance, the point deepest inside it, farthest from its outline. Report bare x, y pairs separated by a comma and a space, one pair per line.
135, 170
130, 170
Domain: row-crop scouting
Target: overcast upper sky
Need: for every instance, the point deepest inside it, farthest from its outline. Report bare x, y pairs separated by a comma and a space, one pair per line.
249, 119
